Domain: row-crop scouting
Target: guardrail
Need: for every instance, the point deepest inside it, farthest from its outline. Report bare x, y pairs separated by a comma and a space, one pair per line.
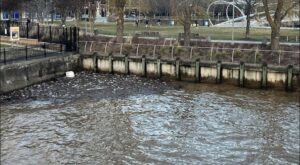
24, 53
233, 55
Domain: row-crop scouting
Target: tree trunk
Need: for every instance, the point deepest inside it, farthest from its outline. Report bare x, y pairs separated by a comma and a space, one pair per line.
187, 33
248, 11
275, 35
120, 24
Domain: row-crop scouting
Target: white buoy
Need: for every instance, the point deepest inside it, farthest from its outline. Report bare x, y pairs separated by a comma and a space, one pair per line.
70, 74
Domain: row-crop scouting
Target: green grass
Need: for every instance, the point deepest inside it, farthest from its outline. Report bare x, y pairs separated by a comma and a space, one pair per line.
4, 46
216, 33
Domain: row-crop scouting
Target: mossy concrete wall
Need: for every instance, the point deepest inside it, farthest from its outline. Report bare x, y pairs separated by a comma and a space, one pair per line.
19, 75
243, 75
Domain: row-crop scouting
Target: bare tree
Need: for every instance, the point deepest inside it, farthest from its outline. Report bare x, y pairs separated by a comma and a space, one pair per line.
184, 12
282, 9
119, 6
248, 8
92, 14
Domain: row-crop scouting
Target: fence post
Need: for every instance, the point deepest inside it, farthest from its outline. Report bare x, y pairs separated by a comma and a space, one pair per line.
38, 32
27, 30
177, 70
50, 33
289, 83
219, 72
74, 42
173, 52
242, 74
197, 71
61, 47
264, 74
45, 52
26, 53
4, 54
71, 39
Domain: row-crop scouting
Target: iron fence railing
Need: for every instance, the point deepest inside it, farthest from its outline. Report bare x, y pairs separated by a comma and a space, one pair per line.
233, 55
24, 53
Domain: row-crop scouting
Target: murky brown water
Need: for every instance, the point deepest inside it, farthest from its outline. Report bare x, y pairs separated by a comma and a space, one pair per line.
105, 119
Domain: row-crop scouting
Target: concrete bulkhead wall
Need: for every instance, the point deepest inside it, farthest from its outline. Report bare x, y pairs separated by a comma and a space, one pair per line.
19, 75
243, 75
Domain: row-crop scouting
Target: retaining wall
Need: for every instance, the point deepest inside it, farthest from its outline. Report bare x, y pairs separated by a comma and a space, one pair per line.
243, 75
22, 74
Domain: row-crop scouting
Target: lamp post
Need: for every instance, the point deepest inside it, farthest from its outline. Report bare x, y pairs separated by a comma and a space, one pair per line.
232, 35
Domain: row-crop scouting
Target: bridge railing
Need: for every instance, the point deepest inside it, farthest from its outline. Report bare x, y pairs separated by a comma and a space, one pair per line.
23, 53
212, 54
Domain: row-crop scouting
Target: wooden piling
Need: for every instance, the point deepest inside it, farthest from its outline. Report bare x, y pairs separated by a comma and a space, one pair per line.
219, 72
126, 64
110, 60
242, 74
177, 69
264, 79
197, 70
158, 67
289, 81
144, 66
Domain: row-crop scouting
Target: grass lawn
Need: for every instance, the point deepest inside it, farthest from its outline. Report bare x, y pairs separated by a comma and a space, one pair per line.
4, 46
216, 33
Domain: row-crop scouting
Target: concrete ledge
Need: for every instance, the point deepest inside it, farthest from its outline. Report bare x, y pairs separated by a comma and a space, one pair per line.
22, 74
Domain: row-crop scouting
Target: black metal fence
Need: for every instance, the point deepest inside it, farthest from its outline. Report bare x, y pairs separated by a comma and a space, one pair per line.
52, 34
24, 53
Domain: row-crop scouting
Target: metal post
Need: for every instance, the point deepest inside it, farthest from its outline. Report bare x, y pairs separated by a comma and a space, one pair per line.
50, 33
27, 30
45, 52
61, 47
233, 21
26, 52
4, 53
38, 32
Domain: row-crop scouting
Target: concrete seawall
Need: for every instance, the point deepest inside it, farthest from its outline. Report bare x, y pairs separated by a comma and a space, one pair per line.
26, 73
243, 75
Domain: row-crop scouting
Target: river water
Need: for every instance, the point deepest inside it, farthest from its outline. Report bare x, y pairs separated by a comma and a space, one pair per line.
111, 119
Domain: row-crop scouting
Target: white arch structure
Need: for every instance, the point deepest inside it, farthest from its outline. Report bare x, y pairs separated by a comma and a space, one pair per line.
223, 2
